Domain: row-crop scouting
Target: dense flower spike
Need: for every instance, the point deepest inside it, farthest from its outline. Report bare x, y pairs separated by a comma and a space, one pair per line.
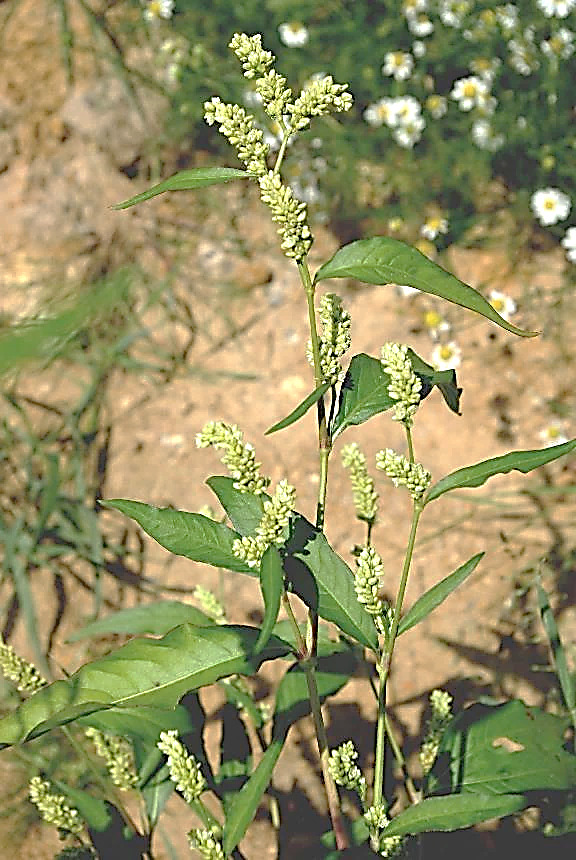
206, 844
365, 496
210, 604
118, 755
404, 473
367, 581
239, 456
255, 60
376, 819
404, 385
271, 528
335, 339
289, 213
238, 127
441, 705
275, 94
24, 675
54, 808
345, 771
320, 97
184, 769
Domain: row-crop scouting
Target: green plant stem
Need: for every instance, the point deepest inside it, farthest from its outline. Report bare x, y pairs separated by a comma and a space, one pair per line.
205, 816
301, 644
410, 444
384, 667
340, 834
287, 134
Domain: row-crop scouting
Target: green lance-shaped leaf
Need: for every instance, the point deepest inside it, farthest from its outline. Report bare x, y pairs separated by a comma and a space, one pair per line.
141, 723
364, 393
292, 703
272, 585
300, 410
564, 675
478, 474
506, 749
187, 180
323, 580
154, 672
444, 380
382, 260
154, 618
437, 594
193, 536
453, 812
244, 509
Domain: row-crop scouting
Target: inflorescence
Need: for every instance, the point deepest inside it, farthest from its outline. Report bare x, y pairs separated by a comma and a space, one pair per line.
23, 674
365, 495
404, 385
185, 770
118, 756
270, 530
403, 473
440, 719
54, 808
239, 456
367, 581
335, 339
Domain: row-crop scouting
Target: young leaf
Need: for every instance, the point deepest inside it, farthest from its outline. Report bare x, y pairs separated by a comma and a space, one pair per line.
272, 585
506, 749
478, 474
142, 672
558, 652
437, 594
452, 812
187, 180
382, 260
244, 509
154, 618
364, 393
444, 380
193, 536
300, 410
292, 703
323, 580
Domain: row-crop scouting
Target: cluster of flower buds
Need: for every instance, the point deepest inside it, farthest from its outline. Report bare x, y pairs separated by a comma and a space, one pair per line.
270, 530
367, 581
335, 339
206, 843
26, 677
185, 770
54, 808
403, 473
440, 719
239, 456
345, 771
365, 495
404, 385
118, 756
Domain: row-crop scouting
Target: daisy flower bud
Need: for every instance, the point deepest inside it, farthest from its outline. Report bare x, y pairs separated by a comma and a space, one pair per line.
185, 770
403, 473
365, 496
239, 456
404, 385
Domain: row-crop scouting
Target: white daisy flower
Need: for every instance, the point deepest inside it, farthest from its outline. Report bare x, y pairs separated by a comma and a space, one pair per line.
433, 227
446, 356
556, 8
502, 303
409, 133
293, 34
486, 68
420, 25
484, 136
155, 9
413, 7
380, 112
560, 45
398, 65
405, 111
436, 106
453, 12
469, 92
553, 434
406, 291
569, 242
507, 16
436, 325
419, 49
550, 206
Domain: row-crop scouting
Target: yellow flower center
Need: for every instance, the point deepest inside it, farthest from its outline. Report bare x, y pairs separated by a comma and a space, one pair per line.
497, 304
549, 203
469, 90
446, 352
432, 319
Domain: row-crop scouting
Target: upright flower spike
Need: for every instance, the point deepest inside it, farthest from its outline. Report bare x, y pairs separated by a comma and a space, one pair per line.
239, 456
118, 756
210, 604
206, 843
403, 473
376, 819
441, 706
25, 676
335, 339
320, 97
365, 495
289, 213
185, 770
275, 94
251, 548
367, 581
255, 60
404, 385
238, 127
54, 808
345, 771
